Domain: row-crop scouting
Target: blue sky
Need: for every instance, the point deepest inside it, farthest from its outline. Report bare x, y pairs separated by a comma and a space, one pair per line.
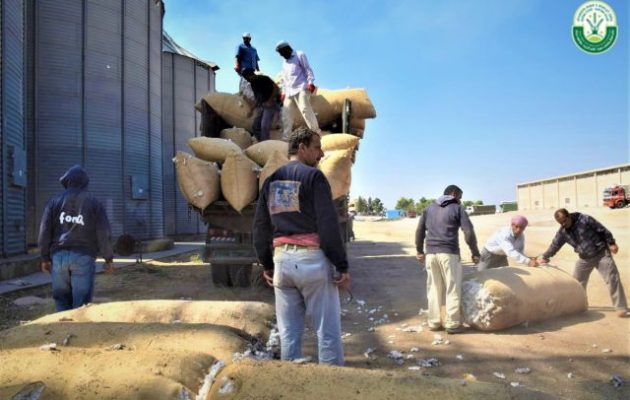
482, 94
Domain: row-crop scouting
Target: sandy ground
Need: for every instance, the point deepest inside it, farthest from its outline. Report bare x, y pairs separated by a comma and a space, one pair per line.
570, 357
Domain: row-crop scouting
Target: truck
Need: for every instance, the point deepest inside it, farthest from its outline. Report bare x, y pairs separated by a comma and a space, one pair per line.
506, 206
229, 246
617, 196
481, 209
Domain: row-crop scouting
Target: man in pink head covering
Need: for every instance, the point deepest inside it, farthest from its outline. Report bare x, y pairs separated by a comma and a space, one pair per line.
507, 242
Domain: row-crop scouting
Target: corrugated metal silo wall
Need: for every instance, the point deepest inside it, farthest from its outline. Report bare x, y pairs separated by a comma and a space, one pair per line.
96, 102
12, 135
185, 81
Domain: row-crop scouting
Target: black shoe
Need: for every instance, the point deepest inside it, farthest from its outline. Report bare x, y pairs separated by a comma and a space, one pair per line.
435, 328
454, 331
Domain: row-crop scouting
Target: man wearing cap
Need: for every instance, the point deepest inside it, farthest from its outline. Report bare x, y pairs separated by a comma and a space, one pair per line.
246, 55
508, 241
297, 87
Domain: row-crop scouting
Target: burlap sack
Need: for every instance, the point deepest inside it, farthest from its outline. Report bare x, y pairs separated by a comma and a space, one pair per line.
251, 317
115, 360
262, 151
213, 149
231, 107
239, 136
339, 141
357, 123
276, 161
337, 166
275, 379
499, 298
198, 180
238, 180
328, 106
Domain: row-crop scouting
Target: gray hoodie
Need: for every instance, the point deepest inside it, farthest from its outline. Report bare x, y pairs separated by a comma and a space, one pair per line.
440, 223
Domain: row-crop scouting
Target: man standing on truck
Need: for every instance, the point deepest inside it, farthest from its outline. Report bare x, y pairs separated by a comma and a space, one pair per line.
298, 242
506, 242
297, 87
439, 224
246, 55
266, 96
594, 245
73, 230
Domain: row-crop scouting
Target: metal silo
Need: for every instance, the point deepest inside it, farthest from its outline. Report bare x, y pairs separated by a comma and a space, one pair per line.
96, 101
12, 137
185, 79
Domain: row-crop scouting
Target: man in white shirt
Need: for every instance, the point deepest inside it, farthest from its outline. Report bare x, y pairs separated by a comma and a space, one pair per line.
297, 86
506, 242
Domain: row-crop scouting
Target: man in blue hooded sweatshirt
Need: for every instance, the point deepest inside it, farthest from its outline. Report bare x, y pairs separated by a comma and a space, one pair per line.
73, 230
439, 224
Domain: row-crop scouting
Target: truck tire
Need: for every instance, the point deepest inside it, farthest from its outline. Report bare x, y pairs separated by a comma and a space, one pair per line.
241, 275
221, 275
620, 204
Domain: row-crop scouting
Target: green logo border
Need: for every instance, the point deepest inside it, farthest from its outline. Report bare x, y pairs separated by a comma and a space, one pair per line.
577, 33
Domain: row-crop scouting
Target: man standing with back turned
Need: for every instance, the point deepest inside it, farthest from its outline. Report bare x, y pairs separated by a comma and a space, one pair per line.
594, 245
73, 230
439, 224
297, 239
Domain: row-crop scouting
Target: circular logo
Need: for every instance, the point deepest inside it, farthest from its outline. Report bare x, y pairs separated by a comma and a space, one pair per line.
594, 27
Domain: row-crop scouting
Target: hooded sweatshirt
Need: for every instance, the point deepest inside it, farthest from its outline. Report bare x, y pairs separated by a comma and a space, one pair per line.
439, 224
75, 220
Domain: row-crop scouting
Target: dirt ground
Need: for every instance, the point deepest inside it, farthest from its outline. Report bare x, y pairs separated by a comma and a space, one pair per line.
571, 357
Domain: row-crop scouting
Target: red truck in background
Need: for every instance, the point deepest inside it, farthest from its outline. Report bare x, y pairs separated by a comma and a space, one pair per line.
617, 196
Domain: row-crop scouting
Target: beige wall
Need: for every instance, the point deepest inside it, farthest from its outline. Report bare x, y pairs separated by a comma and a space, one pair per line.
571, 192
566, 188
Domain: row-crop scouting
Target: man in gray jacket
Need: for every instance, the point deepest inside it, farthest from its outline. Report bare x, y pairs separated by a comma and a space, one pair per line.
439, 224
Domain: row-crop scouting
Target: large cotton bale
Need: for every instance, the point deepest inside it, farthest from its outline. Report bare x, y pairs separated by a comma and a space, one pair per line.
198, 180
250, 379
357, 123
262, 151
337, 166
239, 136
499, 298
251, 317
276, 161
328, 106
238, 180
231, 107
213, 149
339, 141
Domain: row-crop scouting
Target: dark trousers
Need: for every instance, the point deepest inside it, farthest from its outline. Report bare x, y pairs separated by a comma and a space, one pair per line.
608, 270
489, 260
263, 121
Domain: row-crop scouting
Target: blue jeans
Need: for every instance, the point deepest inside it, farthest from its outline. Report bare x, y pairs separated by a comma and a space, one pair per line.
303, 285
72, 279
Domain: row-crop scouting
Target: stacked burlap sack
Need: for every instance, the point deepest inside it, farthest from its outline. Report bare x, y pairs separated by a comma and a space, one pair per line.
499, 298
327, 105
236, 169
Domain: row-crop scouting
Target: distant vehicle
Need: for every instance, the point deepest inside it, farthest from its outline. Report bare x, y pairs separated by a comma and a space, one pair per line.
617, 196
506, 206
481, 209
412, 214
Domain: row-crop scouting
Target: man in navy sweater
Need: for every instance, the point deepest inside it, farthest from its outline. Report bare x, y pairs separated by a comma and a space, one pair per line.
73, 230
298, 242
439, 224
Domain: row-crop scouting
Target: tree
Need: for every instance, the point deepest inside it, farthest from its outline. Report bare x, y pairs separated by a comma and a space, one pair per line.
370, 206
404, 203
361, 206
422, 204
377, 206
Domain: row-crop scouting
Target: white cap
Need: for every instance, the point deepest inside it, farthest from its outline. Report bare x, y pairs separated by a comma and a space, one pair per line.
281, 44
247, 35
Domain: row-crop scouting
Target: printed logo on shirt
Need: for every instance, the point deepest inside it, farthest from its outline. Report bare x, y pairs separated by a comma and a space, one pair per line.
594, 27
63, 217
284, 196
